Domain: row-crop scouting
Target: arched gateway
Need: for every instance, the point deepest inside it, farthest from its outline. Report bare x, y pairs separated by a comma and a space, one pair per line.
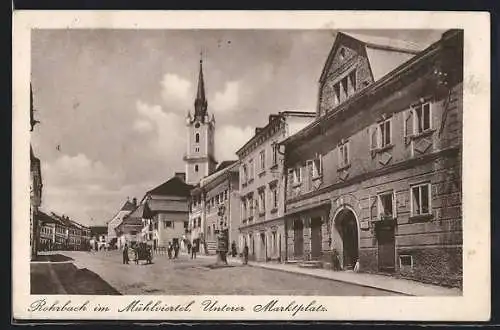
345, 237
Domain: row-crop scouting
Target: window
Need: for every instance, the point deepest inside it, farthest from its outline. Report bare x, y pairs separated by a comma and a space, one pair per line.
262, 201
243, 209
421, 199
196, 168
317, 169
336, 92
274, 192
405, 261
197, 149
352, 79
275, 154
251, 170
250, 206
168, 224
262, 156
199, 222
344, 87
244, 174
386, 204
297, 175
422, 117
291, 175
384, 133
344, 154
225, 195
186, 224
381, 134
197, 138
197, 125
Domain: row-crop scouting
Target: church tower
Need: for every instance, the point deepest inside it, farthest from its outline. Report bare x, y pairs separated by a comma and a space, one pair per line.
199, 158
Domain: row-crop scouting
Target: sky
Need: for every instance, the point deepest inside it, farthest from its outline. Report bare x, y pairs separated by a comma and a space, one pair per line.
112, 103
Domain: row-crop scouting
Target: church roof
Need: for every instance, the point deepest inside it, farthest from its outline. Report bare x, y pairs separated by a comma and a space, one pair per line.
200, 103
173, 187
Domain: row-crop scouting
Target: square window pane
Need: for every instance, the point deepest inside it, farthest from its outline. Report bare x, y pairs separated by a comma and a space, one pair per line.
425, 199
416, 200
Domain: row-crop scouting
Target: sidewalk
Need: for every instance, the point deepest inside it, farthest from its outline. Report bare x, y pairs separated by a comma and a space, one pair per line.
406, 287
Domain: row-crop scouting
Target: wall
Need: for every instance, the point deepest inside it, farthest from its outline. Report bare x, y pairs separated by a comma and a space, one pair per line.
166, 235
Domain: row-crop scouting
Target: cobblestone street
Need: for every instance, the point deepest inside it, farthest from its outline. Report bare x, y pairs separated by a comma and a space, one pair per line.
191, 277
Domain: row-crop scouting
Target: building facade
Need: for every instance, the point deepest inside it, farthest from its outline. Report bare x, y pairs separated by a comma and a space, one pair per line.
200, 150
214, 207
35, 200
165, 216
261, 186
112, 235
376, 178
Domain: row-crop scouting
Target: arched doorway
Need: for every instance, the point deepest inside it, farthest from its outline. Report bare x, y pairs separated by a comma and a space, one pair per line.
347, 229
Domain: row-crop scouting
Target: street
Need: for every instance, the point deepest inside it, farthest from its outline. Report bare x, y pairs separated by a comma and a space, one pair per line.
105, 272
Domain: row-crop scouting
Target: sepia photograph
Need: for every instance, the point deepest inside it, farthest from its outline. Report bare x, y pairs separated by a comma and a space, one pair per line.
313, 162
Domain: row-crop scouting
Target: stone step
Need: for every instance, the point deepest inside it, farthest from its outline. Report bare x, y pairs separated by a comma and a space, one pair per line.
311, 264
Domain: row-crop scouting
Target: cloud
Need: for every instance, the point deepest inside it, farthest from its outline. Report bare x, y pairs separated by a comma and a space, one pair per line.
142, 126
227, 99
170, 129
176, 91
229, 138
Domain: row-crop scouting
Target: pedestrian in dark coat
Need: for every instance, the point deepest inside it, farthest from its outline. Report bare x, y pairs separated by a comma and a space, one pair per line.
233, 249
176, 250
194, 249
125, 254
169, 250
189, 246
245, 255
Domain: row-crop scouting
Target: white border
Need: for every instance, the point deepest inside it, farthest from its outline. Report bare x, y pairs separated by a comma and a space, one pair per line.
475, 302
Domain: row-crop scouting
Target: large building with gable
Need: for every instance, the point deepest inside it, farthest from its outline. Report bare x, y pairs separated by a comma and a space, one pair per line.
376, 178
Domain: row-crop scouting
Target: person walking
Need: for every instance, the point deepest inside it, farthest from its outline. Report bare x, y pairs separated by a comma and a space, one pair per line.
169, 250
245, 255
233, 249
176, 250
125, 254
189, 247
194, 249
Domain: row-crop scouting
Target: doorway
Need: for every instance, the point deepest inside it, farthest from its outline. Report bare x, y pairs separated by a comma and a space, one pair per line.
315, 238
298, 238
348, 229
386, 248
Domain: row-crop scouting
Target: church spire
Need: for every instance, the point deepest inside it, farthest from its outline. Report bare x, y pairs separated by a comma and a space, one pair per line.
200, 104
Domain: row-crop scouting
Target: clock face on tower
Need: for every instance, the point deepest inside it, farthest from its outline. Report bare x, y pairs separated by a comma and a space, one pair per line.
197, 125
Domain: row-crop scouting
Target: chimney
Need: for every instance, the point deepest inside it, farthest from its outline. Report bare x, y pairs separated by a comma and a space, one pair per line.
181, 175
257, 130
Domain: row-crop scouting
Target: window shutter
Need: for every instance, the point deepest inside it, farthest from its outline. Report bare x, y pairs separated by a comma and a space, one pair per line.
320, 168
372, 206
373, 137
408, 125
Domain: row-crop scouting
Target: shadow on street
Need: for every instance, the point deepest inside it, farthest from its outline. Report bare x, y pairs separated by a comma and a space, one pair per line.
53, 278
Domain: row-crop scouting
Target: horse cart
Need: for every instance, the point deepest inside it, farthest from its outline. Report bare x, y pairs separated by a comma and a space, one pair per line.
142, 251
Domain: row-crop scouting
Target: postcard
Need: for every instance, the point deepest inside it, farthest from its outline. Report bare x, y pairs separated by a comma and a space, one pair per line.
251, 165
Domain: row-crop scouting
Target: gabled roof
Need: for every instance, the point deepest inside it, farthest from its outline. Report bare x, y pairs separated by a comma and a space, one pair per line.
173, 187
384, 54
